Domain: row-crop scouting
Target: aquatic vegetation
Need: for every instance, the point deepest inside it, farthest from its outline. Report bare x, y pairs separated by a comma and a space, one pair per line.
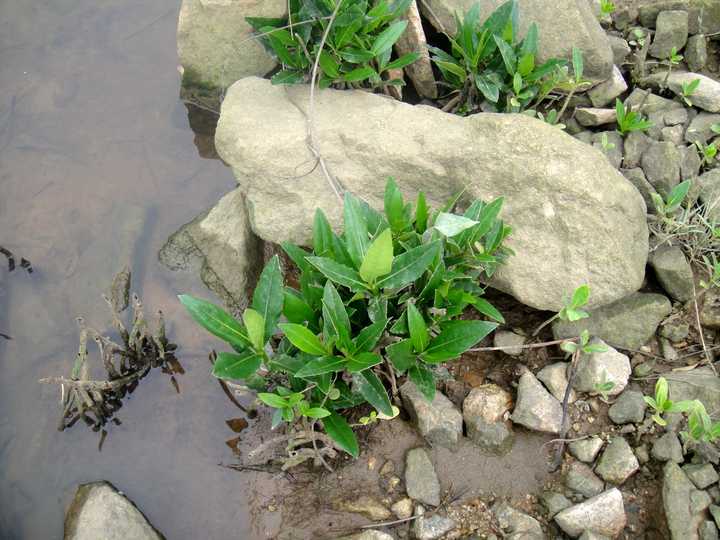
11, 260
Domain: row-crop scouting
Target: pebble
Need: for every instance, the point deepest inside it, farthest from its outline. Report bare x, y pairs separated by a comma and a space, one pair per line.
618, 462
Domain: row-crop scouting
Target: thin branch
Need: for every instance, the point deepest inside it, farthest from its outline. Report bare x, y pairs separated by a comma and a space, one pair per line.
530, 346
564, 423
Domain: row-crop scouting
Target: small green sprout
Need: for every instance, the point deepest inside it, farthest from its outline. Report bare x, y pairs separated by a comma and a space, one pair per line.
674, 58
660, 404
674, 200
583, 345
606, 145
607, 7
700, 426
688, 89
605, 387
708, 152
713, 267
629, 120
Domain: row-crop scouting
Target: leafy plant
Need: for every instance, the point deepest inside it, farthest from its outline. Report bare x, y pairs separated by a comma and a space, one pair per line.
701, 428
629, 120
674, 200
488, 62
660, 403
381, 301
708, 152
605, 387
688, 89
571, 311
606, 145
607, 7
583, 345
357, 50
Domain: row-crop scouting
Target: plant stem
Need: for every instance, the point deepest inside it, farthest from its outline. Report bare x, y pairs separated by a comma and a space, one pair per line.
530, 346
551, 319
563, 425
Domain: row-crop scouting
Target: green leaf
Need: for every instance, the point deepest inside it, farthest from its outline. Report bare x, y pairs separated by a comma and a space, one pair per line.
677, 196
268, 295
304, 339
526, 64
363, 361
508, 55
403, 61
387, 38
421, 213
379, 257
341, 274
356, 233
216, 321
488, 87
580, 296
372, 389
394, 206
287, 76
236, 366
577, 61
297, 254
335, 316
530, 43
360, 74
409, 266
322, 234
418, 329
255, 325
661, 392
340, 431
295, 309
329, 65
401, 355
273, 400
451, 224
369, 336
320, 366
316, 412
452, 67
424, 379
455, 338
487, 309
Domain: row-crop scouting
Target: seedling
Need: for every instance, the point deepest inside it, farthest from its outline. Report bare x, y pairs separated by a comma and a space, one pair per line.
606, 144
672, 60
688, 89
713, 267
660, 404
701, 428
607, 7
605, 387
629, 120
674, 201
583, 345
571, 311
708, 152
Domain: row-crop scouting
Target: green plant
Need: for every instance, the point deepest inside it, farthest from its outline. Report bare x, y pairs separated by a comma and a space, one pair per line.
688, 89
583, 345
378, 302
660, 404
606, 145
571, 311
487, 62
358, 41
708, 152
674, 201
629, 120
603, 388
607, 7
701, 428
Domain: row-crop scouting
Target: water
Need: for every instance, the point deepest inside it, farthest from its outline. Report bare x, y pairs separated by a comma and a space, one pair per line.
98, 166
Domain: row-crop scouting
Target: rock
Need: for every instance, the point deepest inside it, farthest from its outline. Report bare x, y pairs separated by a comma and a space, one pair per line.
661, 163
671, 32
628, 323
668, 351
715, 513
578, 200
484, 411
600, 367
421, 481
699, 128
586, 450
602, 514
668, 448
613, 147
706, 21
438, 421
710, 193
676, 117
589, 535
696, 54
517, 525
700, 383
554, 377
706, 96
629, 408
214, 42
606, 92
618, 462
554, 502
710, 311
691, 163
412, 40
503, 338
641, 452
637, 178
620, 48
703, 476
592, 117
683, 504
432, 527
536, 409
673, 272
221, 247
98, 510
402, 509
708, 531
635, 145
673, 134
364, 505
368, 535
675, 330
650, 103
580, 478
561, 25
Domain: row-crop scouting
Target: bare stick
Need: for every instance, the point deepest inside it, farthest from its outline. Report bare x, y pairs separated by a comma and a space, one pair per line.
530, 346
564, 422
91, 385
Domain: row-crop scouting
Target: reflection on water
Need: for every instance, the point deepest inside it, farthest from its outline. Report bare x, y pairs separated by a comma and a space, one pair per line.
97, 169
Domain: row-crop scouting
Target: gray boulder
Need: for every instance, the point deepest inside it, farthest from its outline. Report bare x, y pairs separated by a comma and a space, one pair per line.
629, 322
706, 96
517, 525
432, 527
635, 145
620, 48
101, 511
671, 32
673, 272
484, 412
637, 177
629, 408
536, 409
704, 16
597, 368
684, 505
710, 193
603, 514
696, 53
554, 502
594, 116
611, 144
702, 475
438, 421
581, 222
421, 481
617, 462
710, 311
699, 128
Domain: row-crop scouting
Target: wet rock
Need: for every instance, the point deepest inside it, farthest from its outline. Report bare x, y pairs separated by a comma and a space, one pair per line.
710, 311
618, 462
620, 48
593, 117
554, 377
412, 40
699, 128
368, 535
673, 272
554, 502
700, 383
703, 476
402, 509
629, 322
580, 478
514, 341
602, 216
636, 143
710, 193
586, 450
637, 178
668, 448
671, 32
706, 96
606, 92
433, 527
696, 54
661, 164
600, 367
101, 511
421, 481
438, 421
364, 505
683, 504
609, 143
484, 411
221, 247
516, 524
629, 408
536, 409
602, 514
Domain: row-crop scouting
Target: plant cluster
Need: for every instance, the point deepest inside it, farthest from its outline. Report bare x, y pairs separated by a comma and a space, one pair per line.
353, 40
661, 404
380, 301
629, 120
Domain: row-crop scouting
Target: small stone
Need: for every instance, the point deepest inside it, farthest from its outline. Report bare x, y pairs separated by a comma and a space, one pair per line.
591, 117
554, 502
641, 452
581, 479
691, 163
683, 508
610, 143
700, 130
676, 117
364, 505
637, 178
586, 450
598, 368
673, 134
590, 535
702, 476
696, 54
675, 330
668, 448
388, 468
517, 524
668, 351
708, 531
618, 462
584, 136
673, 272
484, 411
536, 409
432, 527
620, 48
636, 143
606, 92
671, 33
651, 103
421, 481
629, 408
554, 377
700, 383
513, 341
402, 509
661, 164
439, 421
603, 514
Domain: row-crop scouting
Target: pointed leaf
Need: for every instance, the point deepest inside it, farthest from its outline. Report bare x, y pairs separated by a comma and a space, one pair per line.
455, 338
335, 316
255, 326
304, 339
418, 329
363, 361
216, 321
421, 213
394, 206
268, 296
486, 308
379, 257
356, 233
321, 366
236, 366
388, 37
339, 273
452, 224
369, 336
372, 389
409, 266
295, 309
340, 431
401, 355
424, 379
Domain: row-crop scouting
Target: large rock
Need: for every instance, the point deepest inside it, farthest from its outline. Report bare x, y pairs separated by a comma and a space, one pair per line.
617, 462
438, 420
215, 44
99, 511
221, 246
684, 505
602, 514
562, 25
575, 219
706, 96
